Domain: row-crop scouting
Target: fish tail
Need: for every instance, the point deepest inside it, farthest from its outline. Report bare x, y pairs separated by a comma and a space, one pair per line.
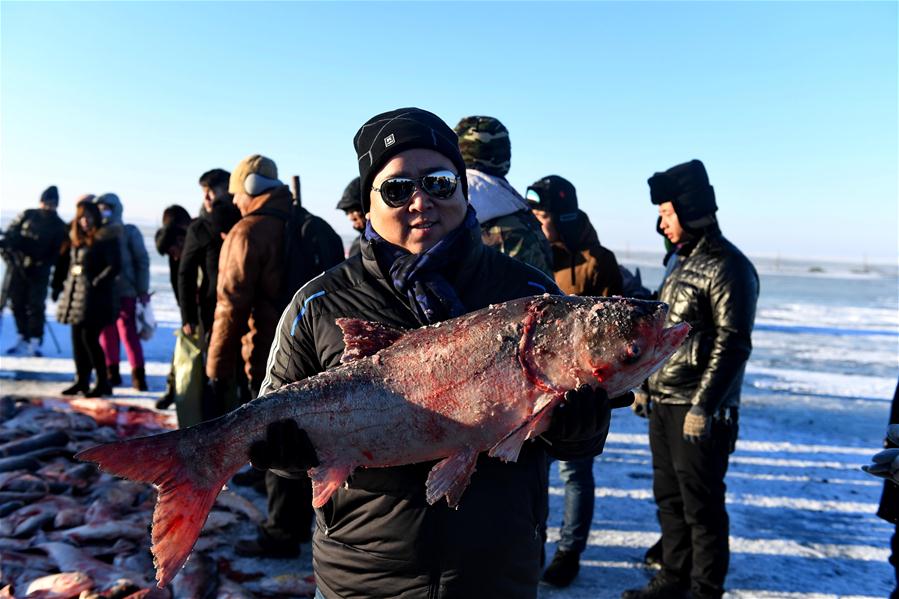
188, 479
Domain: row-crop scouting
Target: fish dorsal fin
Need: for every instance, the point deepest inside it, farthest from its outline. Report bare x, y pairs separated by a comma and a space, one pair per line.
363, 338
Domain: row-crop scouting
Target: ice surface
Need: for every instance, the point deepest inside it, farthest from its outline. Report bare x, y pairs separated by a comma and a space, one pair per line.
815, 406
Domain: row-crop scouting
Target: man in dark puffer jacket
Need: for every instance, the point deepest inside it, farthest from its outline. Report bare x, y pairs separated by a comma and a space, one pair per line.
377, 536
710, 284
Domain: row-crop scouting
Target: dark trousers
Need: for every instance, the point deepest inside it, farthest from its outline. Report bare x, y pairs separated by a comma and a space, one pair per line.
894, 559
577, 475
290, 510
27, 294
88, 354
689, 489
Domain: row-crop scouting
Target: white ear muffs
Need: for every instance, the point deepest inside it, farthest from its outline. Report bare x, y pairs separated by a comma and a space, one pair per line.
255, 184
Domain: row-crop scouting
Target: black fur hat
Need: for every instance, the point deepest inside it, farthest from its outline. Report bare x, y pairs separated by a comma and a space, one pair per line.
687, 187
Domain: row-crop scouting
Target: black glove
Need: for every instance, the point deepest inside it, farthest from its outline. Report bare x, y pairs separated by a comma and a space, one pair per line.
214, 398
642, 405
287, 449
584, 414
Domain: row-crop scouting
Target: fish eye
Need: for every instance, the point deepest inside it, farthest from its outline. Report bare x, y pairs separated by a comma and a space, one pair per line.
631, 355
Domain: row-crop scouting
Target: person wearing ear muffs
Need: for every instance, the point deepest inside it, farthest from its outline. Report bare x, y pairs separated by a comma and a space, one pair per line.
251, 271
693, 400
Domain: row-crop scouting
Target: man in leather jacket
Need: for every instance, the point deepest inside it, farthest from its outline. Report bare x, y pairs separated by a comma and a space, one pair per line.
694, 398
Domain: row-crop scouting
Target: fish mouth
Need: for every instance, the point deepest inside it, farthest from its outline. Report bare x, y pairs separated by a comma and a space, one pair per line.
672, 337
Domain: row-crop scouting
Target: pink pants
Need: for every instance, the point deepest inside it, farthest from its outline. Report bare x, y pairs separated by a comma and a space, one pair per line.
124, 326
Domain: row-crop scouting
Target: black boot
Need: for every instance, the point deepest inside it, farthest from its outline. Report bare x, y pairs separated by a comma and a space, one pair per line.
563, 569
101, 389
139, 379
115, 379
167, 399
663, 586
78, 387
653, 556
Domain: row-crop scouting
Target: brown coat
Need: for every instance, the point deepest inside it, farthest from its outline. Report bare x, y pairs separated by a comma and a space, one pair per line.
249, 299
591, 269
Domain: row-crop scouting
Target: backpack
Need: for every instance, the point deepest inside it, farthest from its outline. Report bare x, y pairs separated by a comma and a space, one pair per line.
311, 247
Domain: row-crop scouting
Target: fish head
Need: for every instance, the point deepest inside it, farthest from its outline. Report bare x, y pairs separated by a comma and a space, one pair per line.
614, 343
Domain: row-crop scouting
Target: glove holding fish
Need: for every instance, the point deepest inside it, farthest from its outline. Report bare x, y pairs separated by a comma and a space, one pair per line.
484, 382
886, 463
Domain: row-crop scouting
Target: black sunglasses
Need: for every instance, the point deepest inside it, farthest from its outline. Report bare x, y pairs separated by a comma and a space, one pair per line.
396, 192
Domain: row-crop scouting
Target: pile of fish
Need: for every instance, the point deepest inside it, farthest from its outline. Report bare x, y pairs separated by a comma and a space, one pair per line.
69, 530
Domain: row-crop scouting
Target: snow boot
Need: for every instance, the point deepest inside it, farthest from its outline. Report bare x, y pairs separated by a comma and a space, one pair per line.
139, 379
167, 399
562, 571
101, 389
663, 586
34, 348
653, 556
115, 378
78, 387
19, 348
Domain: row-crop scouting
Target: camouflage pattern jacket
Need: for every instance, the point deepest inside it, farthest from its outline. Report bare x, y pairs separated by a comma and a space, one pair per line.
507, 224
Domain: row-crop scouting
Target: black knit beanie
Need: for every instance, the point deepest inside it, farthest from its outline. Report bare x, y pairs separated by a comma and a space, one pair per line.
50, 195
385, 135
687, 187
351, 200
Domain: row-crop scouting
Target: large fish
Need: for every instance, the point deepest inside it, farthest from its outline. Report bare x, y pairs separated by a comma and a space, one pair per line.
486, 381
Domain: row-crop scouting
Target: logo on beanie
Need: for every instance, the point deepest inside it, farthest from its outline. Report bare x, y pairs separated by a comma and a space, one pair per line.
389, 140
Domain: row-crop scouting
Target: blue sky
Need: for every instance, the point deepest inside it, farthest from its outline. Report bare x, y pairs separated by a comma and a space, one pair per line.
792, 106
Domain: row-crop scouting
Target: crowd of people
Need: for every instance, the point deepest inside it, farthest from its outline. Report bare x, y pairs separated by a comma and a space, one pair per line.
441, 233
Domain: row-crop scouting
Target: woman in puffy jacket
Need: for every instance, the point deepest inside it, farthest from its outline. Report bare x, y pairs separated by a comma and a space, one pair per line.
88, 301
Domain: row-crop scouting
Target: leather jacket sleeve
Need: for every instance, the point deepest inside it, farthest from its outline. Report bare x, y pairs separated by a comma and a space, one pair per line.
733, 294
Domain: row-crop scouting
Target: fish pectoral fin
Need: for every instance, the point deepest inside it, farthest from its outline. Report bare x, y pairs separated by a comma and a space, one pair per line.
450, 477
508, 448
326, 480
363, 338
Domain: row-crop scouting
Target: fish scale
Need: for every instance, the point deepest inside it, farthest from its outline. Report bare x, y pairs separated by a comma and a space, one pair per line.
484, 382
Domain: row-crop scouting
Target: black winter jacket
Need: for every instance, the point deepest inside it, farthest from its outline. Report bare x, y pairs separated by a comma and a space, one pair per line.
202, 246
889, 500
378, 537
89, 296
714, 287
36, 236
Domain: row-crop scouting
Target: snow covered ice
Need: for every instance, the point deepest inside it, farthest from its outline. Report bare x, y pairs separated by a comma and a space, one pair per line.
814, 409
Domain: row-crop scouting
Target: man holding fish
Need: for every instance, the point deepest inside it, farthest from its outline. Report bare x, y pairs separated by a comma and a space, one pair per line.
427, 367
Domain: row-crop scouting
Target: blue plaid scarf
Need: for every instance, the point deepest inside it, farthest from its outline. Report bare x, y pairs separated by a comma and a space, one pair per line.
420, 277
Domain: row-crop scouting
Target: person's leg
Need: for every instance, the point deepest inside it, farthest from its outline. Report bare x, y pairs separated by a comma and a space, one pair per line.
18, 304
577, 475
127, 326
672, 582
701, 469
37, 298
91, 338
109, 341
894, 559
665, 435
82, 363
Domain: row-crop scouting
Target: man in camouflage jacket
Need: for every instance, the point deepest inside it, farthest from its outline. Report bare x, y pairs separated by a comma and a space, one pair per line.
507, 224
